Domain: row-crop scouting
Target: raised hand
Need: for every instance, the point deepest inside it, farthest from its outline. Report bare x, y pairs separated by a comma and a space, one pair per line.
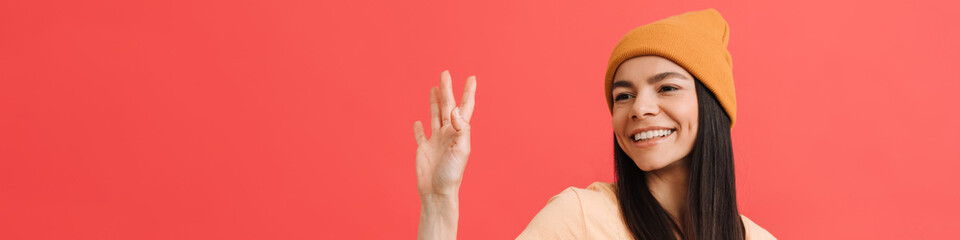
442, 158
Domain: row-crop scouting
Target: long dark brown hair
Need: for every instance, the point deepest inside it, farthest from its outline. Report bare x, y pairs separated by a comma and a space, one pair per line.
711, 209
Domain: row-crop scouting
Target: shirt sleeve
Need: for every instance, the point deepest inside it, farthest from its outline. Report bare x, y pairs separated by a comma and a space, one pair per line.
561, 218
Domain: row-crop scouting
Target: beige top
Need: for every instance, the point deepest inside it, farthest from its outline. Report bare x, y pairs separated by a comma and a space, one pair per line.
594, 213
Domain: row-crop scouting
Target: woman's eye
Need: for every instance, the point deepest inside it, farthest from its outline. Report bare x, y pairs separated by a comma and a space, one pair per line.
622, 96
667, 88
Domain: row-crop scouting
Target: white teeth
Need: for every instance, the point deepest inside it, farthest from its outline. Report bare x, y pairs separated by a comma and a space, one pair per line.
651, 134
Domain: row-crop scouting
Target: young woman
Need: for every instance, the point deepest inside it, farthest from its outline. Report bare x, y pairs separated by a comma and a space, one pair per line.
669, 87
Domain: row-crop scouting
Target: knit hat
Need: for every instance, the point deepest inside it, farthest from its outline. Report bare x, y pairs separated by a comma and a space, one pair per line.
697, 41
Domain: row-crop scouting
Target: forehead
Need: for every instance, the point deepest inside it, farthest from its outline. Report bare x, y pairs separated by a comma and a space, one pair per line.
640, 68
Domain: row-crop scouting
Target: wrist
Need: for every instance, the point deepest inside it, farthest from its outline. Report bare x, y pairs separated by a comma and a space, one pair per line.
448, 193
439, 215
431, 203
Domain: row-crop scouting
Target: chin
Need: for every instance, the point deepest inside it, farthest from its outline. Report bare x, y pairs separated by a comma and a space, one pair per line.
648, 165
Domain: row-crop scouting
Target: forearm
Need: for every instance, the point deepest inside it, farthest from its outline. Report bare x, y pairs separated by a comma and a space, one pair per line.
438, 217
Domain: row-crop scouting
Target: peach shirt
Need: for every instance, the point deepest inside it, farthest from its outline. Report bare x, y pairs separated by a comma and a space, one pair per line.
593, 213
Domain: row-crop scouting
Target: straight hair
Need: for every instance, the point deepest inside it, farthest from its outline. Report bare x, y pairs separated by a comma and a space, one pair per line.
711, 208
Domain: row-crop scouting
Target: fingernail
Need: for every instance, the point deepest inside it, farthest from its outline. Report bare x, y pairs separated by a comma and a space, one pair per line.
456, 112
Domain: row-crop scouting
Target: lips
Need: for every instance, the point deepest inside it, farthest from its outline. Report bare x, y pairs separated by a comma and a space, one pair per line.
651, 131
649, 136
652, 134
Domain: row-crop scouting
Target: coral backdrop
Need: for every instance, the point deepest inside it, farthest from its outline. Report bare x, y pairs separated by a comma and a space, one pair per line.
292, 119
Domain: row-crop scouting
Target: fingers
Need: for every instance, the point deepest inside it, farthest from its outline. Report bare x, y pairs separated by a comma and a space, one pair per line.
466, 103
447, 103
418, 133
434, 110
442, 102
457, 119
463, 131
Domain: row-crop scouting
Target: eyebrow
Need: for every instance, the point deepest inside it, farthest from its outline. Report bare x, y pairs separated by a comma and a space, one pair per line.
651, 80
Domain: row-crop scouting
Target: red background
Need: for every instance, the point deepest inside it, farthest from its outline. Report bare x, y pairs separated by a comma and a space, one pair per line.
293, 119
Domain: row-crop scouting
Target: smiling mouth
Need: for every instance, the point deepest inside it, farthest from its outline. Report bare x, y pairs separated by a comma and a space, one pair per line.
652, 135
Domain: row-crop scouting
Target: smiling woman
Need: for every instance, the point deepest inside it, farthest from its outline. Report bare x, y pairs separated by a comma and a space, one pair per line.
689, 173
669, 87
652, 95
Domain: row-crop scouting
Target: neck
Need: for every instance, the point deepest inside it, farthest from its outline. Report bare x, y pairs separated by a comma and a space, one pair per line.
669, 186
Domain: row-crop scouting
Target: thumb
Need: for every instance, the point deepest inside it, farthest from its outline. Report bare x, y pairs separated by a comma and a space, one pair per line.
458, 122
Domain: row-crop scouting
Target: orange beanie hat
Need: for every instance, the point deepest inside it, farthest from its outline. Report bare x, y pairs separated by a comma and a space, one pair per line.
697, 41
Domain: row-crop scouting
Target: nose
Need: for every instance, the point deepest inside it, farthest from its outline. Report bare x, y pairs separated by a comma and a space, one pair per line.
645, 106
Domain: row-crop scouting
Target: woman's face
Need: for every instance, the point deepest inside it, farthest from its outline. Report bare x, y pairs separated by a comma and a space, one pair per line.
654, 111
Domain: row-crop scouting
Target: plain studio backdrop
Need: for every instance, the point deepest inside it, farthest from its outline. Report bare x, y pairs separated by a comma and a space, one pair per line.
293, 119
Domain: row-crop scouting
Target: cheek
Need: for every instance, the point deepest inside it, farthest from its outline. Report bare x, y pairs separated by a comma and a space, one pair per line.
684, 112
688, 119
619, 119
688, 108
691, 115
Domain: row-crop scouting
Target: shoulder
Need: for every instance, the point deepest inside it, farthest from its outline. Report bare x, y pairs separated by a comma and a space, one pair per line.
561, 218
597, 202
597, 193
576, 213
594, 195
754, 231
